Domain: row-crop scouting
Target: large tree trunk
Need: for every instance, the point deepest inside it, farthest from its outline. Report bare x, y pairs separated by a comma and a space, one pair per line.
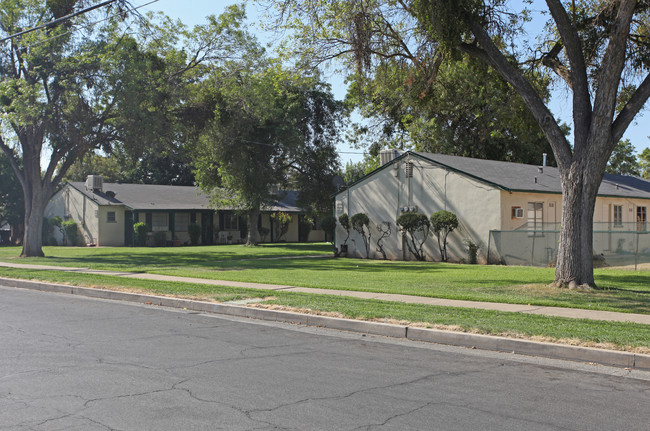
580, 183
253, 233
34, 214
36, 189
573, 266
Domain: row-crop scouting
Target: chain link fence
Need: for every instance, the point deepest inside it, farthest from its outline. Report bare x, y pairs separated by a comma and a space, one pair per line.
615, 245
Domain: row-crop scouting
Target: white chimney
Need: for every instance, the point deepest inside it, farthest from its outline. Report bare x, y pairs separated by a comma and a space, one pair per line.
543, 159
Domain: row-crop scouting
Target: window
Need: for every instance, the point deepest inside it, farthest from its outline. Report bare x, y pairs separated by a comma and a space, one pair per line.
181, 222
618, 215
110, 217
159, 222
641, 218
230, 222
535, 218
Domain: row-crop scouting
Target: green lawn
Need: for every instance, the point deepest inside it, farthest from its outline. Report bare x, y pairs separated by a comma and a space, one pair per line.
147, 258
623, 336
624, 291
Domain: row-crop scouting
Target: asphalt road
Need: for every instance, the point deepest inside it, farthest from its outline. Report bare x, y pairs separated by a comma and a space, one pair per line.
74, 363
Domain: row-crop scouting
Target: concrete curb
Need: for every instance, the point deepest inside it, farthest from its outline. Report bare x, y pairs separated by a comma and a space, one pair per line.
485, 342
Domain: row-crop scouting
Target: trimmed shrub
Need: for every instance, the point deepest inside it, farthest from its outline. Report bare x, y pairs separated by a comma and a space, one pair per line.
361, 224
384, 231
443, 223
416, 228
71, 232
344, 220
140, 231
472, 251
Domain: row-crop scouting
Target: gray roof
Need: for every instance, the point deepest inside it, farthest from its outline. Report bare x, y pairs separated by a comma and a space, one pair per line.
150, 197
519, 177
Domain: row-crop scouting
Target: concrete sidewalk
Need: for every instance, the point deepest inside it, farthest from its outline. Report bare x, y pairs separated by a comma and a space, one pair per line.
575, 313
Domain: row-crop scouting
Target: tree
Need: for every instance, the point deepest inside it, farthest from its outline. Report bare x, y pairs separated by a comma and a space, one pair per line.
267, 123
442, 224
12, 205
384, 231
468, 110
61, 90
356, 171
328, 224
344, 221
597, 49
110, 168
74, 86
623, 161
361, 224
416, 228
644, 163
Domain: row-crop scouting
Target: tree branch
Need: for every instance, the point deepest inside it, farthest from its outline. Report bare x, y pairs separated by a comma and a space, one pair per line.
578, 74
613, 62
631, 108
551, 60
491, 55
12, 161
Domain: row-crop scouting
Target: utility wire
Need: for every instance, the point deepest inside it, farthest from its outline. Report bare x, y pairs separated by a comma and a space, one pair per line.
84, 26
58, 20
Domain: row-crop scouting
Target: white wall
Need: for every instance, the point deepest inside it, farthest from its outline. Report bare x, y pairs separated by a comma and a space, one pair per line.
431, 189
70, 202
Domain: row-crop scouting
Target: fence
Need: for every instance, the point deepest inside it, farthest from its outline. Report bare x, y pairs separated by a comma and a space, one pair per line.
622, 244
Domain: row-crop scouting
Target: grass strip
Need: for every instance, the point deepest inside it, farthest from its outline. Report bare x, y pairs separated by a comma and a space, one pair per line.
615, 335
622, 291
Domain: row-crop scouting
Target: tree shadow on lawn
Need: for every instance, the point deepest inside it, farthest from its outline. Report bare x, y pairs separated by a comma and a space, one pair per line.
140, 258
635, 282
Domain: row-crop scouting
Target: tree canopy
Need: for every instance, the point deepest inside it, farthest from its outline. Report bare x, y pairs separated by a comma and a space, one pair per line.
269, 127
623, 161
597, 50
92, 82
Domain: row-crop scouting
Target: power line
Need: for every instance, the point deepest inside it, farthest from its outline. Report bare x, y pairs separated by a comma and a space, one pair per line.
58, 20
85, 26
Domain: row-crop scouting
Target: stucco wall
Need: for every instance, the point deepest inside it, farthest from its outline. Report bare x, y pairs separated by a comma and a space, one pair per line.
430, 189
551, 204
83, 210
111, 233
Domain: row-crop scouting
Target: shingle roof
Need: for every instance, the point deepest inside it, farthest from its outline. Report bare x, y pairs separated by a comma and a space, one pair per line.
149, 197
519, 177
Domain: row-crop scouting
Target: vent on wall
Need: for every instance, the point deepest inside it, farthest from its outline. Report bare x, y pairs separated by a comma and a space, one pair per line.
408, 169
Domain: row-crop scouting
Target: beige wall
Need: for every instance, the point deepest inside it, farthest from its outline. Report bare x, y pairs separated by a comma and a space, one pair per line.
110, 233
292, 233
83, 210
551, 208
431, 189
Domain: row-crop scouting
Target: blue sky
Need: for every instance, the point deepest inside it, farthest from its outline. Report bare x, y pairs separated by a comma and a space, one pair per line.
193, 12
